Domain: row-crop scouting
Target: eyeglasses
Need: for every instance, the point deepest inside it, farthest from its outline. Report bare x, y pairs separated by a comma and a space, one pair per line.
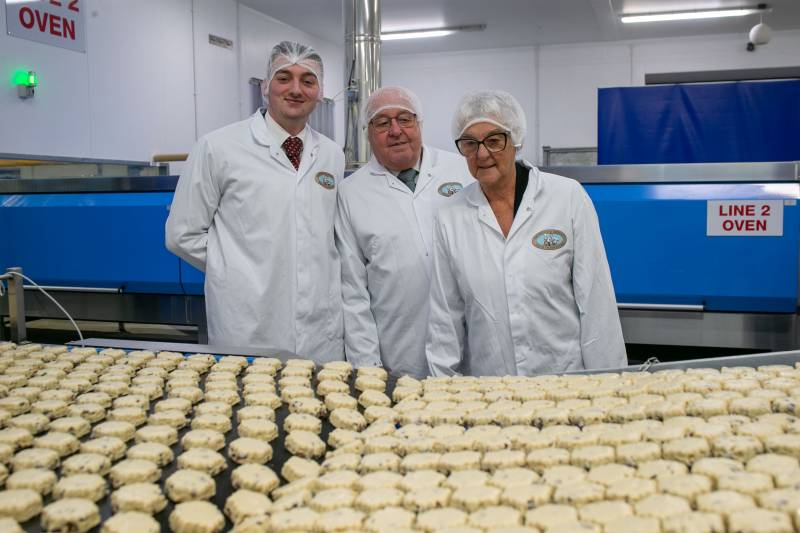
496, 142
404, 120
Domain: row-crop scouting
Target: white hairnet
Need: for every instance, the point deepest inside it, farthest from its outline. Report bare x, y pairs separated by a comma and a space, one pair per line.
391, 98
496, 107
287, 53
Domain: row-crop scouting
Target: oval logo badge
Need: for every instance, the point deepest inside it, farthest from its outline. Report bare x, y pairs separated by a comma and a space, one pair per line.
450, 188
325, 180
549, 239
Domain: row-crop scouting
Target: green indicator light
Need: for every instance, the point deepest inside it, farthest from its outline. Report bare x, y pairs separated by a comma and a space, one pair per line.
26, 78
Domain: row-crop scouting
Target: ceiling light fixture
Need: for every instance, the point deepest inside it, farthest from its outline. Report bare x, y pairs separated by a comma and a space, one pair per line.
694, 14
429, 32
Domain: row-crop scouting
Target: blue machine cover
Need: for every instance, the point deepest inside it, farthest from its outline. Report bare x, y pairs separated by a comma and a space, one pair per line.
703, 123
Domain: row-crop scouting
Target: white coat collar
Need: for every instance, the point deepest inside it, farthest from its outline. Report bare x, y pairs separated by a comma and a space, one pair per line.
265, 137
477, 199
429, 158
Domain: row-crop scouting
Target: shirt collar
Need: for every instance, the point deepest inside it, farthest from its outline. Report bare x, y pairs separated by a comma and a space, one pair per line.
379, 169
277, 132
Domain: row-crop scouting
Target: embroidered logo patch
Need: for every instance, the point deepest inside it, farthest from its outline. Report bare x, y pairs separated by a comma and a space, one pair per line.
549, 239
325, 180
450, 188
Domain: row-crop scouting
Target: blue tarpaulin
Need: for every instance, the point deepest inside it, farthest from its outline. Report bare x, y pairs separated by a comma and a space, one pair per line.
699, 123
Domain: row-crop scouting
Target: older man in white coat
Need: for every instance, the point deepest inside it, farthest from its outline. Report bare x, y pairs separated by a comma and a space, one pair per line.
255, 210
383, 233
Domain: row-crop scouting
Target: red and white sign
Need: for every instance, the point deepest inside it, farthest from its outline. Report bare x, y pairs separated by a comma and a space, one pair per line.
751, 218
54, 22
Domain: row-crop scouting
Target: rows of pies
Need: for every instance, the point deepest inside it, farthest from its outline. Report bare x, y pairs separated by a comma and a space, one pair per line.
694, 450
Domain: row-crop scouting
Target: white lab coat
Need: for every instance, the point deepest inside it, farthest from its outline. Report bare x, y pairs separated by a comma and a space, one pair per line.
263, 233
384, 233
502, 306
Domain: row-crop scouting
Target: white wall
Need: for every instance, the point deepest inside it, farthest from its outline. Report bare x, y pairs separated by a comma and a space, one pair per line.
441, 79
138, 91
216, 71
557, 85
132, 93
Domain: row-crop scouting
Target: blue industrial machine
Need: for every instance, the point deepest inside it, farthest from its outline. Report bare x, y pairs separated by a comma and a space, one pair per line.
676, 284
98, 243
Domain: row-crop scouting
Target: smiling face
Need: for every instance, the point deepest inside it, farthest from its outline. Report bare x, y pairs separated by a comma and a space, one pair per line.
292, 95
490, 169
397, 148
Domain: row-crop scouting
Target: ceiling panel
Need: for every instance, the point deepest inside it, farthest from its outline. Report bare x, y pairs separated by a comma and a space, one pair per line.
512, 23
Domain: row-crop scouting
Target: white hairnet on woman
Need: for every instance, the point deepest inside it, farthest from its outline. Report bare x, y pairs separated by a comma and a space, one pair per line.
495, 107
391, 98
287, 53
520, 282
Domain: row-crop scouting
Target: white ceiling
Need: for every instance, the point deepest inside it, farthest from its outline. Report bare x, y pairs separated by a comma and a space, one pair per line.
523, 22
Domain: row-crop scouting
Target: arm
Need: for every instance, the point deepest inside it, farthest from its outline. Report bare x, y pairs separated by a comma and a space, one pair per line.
444, 344
360, 332
193, 207
602, 345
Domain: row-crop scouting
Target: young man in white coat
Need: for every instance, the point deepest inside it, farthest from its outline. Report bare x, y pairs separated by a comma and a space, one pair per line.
255, 210
384, 233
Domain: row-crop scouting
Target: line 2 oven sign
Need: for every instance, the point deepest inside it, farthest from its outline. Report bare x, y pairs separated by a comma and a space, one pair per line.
54, 22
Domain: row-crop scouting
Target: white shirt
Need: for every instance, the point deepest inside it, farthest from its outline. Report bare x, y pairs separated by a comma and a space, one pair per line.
263, 233
384, 236
538, 301
279, 134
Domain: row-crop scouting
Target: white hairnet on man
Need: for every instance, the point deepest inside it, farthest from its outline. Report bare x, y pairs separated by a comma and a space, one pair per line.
287, 53
383, 233
495, 107
391, 98
254, 209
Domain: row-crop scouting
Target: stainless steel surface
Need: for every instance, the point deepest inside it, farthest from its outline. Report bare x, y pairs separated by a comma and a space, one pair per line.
16, 305
789, 357
79, 160
569, 156
186, 348
362, 72
109, 290
680, 173
660, 307
89, 185
714, 76
757, 331
177, 309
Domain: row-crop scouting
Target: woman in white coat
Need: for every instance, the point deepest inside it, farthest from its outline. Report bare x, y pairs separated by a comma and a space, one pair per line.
520, 283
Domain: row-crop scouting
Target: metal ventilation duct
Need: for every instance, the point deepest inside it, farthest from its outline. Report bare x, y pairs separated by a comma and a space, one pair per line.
362, 44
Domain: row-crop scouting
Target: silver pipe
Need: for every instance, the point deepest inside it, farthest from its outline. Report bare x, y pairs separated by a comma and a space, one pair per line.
662, 307
362, 72
107, 290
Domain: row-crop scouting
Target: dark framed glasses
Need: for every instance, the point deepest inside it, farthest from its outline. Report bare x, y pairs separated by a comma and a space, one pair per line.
404, 120
496, 142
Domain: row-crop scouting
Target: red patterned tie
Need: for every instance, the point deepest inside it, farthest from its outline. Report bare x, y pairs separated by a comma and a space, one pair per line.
293, 146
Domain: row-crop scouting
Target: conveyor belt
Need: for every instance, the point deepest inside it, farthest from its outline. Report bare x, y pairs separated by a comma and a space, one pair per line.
223, 480
751, 360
